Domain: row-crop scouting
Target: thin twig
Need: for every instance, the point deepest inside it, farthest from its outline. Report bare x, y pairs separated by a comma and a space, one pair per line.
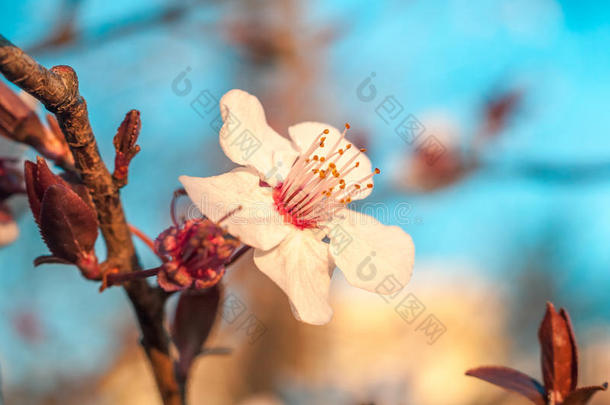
113, 279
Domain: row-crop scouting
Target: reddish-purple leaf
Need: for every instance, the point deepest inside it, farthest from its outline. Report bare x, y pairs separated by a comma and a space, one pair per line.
574, 370
195, 315
511, 380
559, 355
34, 196
38, 177
582, 396
49, 260
67, 224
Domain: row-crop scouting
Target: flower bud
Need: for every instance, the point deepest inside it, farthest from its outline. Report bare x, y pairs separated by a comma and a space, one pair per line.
67, 223
19, 122
125, 146
194, 254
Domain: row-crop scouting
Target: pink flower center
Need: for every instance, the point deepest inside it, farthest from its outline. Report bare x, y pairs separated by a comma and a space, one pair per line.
315, 188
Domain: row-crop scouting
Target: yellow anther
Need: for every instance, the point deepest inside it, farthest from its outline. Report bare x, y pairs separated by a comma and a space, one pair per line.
349, 145
342, 186
315, 157
377, 171
357, 164
357, 186
363, 150
325, 131
332, 165
347, 125
342, 181
369, 185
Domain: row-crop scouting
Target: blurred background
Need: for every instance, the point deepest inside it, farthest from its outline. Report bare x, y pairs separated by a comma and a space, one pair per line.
487, 118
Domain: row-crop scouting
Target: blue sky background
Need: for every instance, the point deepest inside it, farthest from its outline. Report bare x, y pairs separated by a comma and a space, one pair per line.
433, 56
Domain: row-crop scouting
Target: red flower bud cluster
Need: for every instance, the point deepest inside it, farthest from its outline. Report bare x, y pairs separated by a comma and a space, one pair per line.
67, 222
194, 254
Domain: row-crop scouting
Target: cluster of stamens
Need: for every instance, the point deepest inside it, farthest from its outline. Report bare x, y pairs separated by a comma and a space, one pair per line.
315, 189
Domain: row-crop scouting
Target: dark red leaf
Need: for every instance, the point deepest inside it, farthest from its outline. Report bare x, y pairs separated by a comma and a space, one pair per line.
38, 177
67, 224
49, 260
78, 187
582, 396
34, 196
511, 380
45, 177
559, 355
574, 370
195, 315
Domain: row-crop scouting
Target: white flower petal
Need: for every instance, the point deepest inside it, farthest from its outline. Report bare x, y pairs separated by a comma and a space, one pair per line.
371, 255
248, 140
257, 224
305, 133
300, 265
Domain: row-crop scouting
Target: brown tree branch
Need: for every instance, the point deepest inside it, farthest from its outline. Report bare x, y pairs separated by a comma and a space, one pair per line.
57, 89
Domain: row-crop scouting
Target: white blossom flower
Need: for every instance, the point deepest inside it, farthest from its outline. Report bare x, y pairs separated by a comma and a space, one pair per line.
293, 195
